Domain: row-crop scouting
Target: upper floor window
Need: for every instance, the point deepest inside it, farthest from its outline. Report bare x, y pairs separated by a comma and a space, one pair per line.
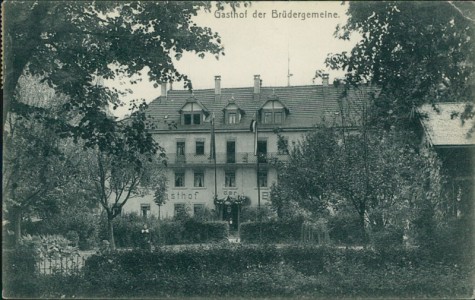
267, 117
179, 179
232, 118
200, 148
232, 113
199, 179
283, 146
273, 111
192, 118
192, 112
180, 148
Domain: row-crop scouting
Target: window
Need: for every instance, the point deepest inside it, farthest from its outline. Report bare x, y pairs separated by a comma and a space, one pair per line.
267, 117
187, 119
179, 179
271, 116
200, 147
180, 148
199, 179
232, 118
230, 152
198, 209
179, 208
196, 118
262, 178
262, 151
145, 210
230, 179
282, 146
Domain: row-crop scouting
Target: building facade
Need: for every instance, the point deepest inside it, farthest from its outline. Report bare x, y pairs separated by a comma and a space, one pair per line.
185, 123
454, 143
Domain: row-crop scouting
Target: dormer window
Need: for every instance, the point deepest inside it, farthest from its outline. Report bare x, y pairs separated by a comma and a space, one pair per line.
193, 112
232, 112
231, 118
273, 111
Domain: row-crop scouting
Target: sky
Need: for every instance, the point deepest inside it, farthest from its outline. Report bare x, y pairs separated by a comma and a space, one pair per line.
269, 45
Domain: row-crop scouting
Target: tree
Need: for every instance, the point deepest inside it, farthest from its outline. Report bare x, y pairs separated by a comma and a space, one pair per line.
416, 52
116, 181
71, 44
38, 166
159, 196
326, 168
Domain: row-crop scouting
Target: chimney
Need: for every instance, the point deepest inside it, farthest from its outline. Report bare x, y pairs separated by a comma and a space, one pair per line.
325, 79
217, 87
163, 87
257, 86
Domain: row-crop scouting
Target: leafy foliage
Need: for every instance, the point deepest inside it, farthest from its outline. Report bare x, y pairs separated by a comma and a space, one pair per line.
115, 180
248, 271
417, 52
73, 45
382, 179
38, 166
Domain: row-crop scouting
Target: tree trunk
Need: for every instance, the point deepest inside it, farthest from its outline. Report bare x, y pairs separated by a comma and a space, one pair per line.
111, 233
364, 237
18, 215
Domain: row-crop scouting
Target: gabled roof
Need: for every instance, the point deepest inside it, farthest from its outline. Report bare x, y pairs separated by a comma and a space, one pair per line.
274, 97
443, 126
309, 105
193, 99
232, 101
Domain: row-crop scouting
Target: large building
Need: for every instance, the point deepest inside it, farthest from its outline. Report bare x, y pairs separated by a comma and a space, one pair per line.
182, 124
454, 142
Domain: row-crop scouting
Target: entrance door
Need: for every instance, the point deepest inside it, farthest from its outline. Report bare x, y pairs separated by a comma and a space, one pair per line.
231, 215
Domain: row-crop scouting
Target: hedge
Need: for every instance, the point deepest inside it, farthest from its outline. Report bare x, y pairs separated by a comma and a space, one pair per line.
273, 231
245, 271
127, 231
19, 276
250, 271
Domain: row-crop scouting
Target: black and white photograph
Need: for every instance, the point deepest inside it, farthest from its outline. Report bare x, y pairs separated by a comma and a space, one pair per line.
238, 149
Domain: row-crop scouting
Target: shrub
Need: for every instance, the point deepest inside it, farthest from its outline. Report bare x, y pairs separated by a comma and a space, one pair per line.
201, 232
344, 228
273, 231
260, 271
85, 224
387, 238
128, 230
19, 276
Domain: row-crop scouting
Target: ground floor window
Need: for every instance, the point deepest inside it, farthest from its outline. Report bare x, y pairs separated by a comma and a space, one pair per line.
179, 209
230, 179
262, 178
198, 209
145, 210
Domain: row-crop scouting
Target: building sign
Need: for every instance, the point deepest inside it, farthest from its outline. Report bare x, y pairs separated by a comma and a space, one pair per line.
195, 195
182, 196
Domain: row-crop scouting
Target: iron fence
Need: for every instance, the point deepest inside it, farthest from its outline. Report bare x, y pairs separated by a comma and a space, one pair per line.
60, 264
